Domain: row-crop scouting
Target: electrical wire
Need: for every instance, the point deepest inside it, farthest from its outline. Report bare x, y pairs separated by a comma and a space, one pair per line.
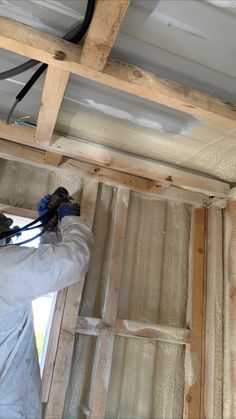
74, 38
18, 70
32, 63
8, 118
31, 82
86, 22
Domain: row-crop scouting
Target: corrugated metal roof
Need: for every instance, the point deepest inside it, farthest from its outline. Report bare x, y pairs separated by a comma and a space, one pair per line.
192, 42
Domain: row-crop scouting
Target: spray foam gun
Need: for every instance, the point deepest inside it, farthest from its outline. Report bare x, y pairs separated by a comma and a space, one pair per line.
47, 221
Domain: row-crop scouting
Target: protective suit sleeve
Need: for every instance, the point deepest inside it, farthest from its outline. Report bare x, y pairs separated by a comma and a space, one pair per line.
49, 237
27, 273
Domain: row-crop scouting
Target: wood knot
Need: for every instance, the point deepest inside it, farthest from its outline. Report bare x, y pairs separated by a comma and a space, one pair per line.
60, 56
138, 74
188, 398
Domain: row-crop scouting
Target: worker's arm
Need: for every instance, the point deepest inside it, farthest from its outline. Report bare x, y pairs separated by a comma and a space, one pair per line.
27, 273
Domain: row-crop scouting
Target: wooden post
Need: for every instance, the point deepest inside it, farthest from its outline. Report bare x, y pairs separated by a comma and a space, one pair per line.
213, 389
63, 360
194, 351
105, 340
230, 312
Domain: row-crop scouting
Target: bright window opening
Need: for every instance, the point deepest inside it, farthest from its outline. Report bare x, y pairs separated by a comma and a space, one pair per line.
43, 307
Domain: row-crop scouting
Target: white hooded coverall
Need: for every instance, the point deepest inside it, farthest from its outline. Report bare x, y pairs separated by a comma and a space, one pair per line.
25, 274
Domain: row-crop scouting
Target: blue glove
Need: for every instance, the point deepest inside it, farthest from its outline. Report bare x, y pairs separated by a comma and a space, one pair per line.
68, 209
43, 207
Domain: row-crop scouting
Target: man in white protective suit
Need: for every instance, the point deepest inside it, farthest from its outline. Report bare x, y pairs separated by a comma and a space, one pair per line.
25, 274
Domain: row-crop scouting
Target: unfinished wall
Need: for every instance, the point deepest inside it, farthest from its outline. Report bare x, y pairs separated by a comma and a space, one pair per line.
147, 377
22, 185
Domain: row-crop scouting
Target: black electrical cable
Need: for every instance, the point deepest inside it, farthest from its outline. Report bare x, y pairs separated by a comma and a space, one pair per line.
74, 39
32, 63
31, 82
8, 118
18, 70
86, 22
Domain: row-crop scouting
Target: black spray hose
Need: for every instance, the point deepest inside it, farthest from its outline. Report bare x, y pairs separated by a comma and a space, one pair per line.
49, 214
74, 39
29, 240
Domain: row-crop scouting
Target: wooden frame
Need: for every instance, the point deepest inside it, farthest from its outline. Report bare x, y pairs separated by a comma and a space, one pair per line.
67, 323
194, 390
61, 54
40, 146
102, 32
58, 379
109, 166
92, 62
106, 327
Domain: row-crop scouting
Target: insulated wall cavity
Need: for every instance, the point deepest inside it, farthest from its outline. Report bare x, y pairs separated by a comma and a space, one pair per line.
155, 269
147, 376
23, 185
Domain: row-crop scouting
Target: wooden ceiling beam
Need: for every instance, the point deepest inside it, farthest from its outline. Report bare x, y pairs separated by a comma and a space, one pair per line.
116, 161
35, 157
53, 159
33, 43
102, 33
38, 157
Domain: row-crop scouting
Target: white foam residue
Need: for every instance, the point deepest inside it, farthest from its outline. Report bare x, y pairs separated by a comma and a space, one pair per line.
223, 3
149, 124
119, 113
192, 369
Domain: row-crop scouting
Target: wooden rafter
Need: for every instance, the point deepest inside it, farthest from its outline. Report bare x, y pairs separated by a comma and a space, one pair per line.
54, 87
36, 44
111, 162
102, 33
